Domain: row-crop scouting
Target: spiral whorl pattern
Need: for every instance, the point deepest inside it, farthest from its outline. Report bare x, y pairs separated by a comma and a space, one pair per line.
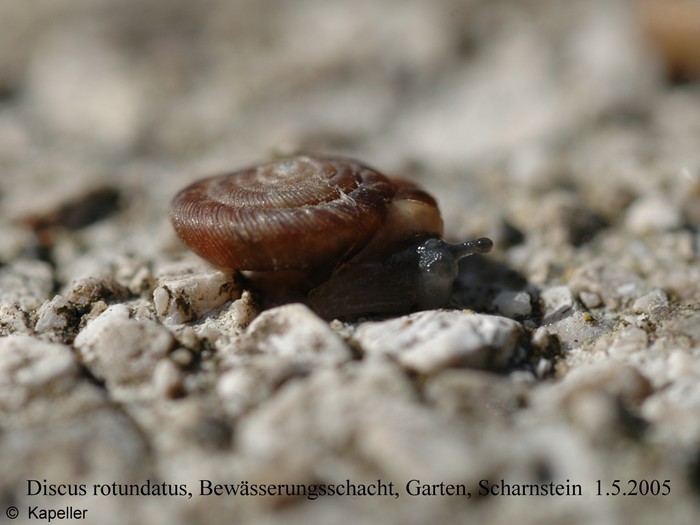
296, 213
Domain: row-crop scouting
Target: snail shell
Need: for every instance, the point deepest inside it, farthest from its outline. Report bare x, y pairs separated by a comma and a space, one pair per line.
324, 215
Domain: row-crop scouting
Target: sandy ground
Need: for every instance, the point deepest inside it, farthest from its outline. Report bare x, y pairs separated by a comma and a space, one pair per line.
135, 379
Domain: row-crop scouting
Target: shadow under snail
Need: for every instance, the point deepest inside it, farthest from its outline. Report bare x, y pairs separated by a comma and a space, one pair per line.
364, 242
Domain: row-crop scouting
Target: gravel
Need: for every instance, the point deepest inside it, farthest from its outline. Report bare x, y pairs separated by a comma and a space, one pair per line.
569, 355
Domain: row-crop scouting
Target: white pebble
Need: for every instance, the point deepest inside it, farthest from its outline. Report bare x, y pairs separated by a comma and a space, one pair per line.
647, 302
28, 365
434, 340
629, 341
652, 214
186, 293
564, 317
293, 331
680, 365
167, 378
50, 316
590, 299
122, 350
556, 302
513, 304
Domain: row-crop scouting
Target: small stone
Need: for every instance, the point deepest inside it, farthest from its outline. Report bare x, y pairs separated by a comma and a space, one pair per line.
513, 304
181, 357
294, 332
244, 386
595, 413
26, 283
52, 315
566, 319
120, 350
652, 214
28, 366
58, 320
647, 302
187, 292
238, 389
615, 284
85, 292
628, 342
590, 299
541, 338
616, 380
167, 379
133, 273
544, 366
472, 392
681, 365
141, 281
188, 338
433, 340
685, 324
228, 322
600, 399
13, 320
557, 302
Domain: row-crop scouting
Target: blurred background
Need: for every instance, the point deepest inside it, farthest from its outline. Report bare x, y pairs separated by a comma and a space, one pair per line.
125, 91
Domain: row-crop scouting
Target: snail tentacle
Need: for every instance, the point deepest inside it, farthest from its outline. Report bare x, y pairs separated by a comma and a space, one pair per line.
480, 245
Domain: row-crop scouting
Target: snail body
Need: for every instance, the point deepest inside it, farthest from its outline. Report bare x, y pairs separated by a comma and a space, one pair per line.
370, 243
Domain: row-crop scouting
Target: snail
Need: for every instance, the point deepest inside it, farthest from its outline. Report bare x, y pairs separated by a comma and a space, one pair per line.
365, 242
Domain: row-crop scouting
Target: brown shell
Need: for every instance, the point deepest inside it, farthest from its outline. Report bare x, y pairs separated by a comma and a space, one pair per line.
296, 213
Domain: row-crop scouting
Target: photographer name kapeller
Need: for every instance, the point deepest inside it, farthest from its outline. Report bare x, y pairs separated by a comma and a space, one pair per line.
50, 514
